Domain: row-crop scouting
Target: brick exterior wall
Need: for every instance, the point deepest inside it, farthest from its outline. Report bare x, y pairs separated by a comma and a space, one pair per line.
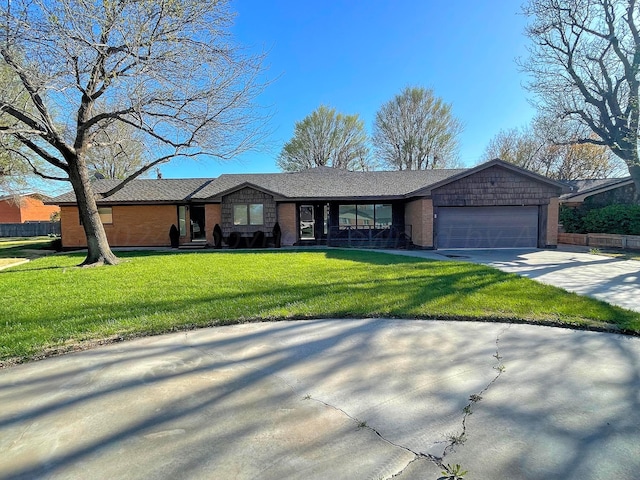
29, 209
9, 212
212, 215
247, 196
419, 214
133, 225
287, 222
493, 186
552, 222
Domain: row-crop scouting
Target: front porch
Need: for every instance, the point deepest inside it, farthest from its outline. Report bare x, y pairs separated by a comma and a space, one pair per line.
357, 225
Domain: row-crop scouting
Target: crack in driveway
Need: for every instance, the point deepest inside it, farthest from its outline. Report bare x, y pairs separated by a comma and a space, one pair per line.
452, 442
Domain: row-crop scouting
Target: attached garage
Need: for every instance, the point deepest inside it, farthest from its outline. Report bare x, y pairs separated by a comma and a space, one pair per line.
487, 227
494, 205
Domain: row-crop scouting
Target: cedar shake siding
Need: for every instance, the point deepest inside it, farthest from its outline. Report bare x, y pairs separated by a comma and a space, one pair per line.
248, 196
492, 187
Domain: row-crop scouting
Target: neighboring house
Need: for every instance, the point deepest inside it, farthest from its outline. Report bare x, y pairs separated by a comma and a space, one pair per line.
598, 192
26, 208
493, 205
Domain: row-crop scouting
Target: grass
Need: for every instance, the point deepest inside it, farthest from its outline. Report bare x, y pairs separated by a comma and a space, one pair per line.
20, 248
619, 254
49, 303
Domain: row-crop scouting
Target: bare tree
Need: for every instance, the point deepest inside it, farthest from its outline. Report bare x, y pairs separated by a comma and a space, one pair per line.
585, 65
117, 152
13, 172
164, 68
533, 148
326, 138
416, 131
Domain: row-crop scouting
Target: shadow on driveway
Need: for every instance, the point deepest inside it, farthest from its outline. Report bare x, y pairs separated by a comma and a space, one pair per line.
352, 399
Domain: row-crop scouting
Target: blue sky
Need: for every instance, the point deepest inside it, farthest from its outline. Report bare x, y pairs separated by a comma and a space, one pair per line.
354, 55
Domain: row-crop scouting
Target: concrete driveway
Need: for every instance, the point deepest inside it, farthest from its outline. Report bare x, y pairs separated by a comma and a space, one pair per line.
605, 278
330, 399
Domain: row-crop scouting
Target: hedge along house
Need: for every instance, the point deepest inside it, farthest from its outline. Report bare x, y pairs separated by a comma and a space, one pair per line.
493, 205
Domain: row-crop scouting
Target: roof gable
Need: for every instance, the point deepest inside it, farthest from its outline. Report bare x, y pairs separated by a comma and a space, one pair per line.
490, 164
582, 189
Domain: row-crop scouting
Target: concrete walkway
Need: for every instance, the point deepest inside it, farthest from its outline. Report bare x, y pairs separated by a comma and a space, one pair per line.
18, 261
605, 278
330, 399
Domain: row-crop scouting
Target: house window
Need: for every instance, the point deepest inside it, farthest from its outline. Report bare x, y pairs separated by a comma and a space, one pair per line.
182, 220
106, 215
383, 216
347, 215
365, 215
248, 214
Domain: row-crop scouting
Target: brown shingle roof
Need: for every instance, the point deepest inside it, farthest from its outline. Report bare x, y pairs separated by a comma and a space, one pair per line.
329, 183
581, 187
317, 183
321, 183
144, 191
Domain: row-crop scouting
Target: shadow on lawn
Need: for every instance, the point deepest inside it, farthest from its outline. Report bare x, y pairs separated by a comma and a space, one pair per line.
191, 405
419, 293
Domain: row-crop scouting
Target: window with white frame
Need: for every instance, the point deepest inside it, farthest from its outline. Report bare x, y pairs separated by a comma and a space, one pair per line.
248, 214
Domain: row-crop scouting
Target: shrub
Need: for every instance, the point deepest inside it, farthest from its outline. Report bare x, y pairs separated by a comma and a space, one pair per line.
174, 236
618, 219
235, 240
257, 240
56, 244
572, 219
217, 236
277, 235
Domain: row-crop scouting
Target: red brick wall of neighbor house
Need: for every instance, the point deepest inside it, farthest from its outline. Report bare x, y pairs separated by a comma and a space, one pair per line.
212, 215
133, 225
29, 209
9, 212
33, 209
287, 222
419, 214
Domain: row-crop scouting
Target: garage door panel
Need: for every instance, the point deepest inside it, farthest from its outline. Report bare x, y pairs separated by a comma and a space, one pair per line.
487, 227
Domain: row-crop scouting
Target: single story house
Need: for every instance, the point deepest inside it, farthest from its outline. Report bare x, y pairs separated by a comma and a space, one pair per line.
493, 205
597, 193
26, 208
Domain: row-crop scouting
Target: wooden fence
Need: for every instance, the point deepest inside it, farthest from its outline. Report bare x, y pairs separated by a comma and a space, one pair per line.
601, 240
29, 229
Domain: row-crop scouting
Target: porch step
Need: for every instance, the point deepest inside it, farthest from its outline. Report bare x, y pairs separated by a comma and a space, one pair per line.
193, 246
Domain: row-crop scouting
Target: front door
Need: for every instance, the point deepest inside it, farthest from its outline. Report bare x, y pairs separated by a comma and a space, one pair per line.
307, 222
198, 232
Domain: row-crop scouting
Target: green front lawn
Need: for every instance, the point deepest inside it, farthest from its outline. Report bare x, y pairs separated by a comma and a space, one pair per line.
24, 247
50, 303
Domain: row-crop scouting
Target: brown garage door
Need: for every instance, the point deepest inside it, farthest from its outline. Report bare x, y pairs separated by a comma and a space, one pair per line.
487, 227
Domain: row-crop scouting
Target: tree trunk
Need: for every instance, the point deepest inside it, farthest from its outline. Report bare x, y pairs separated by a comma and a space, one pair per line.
98, 250
634, 171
